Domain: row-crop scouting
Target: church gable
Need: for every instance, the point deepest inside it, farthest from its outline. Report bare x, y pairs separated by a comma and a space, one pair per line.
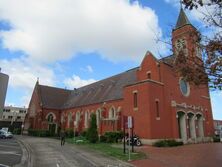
149, 68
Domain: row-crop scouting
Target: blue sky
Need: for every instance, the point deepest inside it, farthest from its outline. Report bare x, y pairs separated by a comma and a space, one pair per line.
68, 43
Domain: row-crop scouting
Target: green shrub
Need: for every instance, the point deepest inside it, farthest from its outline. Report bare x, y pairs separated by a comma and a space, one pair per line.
69, 133
103, 139
83, 133
167, 143
112, 137
17, 131
38, 132
216, 139
92, 133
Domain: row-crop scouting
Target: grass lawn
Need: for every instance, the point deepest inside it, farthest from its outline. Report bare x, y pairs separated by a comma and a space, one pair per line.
109, 149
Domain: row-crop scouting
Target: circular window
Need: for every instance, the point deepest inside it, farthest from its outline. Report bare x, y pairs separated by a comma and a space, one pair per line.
184, 87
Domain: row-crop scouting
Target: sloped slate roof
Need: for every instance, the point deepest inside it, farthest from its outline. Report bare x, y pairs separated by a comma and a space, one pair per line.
52, 97
101, 91
98, 92
169, 60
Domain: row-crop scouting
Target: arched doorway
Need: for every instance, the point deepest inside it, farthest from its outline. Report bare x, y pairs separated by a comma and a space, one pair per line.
52, 127
200, 128
191, 125
181, 116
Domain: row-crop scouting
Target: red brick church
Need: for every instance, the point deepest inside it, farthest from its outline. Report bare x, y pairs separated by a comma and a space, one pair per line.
163, 105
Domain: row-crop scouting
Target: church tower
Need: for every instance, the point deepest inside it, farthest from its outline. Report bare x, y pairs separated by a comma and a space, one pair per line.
185, 37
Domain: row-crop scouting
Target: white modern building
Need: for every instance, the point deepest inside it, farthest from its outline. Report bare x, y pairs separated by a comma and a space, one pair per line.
13, 117
13, 114
3, 89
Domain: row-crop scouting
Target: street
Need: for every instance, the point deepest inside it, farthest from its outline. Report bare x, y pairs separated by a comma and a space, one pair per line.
46, 152
10, 152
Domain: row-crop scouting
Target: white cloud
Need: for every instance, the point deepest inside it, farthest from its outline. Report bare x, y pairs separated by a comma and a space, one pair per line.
23, 73
50, 30
76, 82
89, 68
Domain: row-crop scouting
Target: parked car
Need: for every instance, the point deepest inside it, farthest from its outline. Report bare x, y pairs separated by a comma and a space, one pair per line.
5, 135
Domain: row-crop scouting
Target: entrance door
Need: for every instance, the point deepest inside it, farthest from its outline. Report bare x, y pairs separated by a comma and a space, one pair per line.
182, 125
52, 129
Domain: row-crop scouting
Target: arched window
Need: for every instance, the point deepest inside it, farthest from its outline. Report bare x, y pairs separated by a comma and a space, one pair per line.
69, 119
112, 113
50, 118
86, 119
135, 100
98, 116
77, 116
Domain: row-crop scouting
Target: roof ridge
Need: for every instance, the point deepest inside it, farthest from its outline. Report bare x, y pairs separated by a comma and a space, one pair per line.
54, 87
116, 75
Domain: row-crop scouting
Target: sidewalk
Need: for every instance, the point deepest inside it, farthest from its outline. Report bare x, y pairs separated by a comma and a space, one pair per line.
193, 155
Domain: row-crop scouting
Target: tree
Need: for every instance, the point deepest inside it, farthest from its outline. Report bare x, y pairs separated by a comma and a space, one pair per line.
210, 69
92, 133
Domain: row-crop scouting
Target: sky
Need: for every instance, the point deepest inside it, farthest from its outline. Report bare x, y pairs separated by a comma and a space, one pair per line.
71, 43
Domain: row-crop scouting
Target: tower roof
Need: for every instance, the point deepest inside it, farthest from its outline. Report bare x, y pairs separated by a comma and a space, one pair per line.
182, 19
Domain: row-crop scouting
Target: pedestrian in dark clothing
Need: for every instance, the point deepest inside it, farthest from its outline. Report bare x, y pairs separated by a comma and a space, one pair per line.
62, 137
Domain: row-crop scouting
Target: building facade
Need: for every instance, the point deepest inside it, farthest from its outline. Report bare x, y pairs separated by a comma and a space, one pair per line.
162, 104
13, 117
3, 89
217, 127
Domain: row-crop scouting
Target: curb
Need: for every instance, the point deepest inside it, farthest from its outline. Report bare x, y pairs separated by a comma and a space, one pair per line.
27, 159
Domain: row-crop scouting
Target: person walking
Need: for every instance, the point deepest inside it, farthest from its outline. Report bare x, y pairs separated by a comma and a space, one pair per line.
62, 137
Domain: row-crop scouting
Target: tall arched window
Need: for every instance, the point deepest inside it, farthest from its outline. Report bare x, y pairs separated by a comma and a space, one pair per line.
98, 116
50, 118
77, 117
86, 119
69, 119
112, 113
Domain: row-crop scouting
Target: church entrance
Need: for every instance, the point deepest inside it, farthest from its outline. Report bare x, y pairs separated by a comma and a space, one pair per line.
52, 129
200, 128
182, 125
191, 125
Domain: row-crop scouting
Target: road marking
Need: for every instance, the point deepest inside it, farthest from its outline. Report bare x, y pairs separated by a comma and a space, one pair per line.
10, 152
57, 165
2, 165
9, 146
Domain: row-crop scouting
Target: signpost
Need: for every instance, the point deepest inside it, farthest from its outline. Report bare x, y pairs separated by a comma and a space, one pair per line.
128, 123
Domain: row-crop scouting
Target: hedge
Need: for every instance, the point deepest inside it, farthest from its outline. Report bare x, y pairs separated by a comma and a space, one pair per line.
70, 133
167, 143
216, 139
38, 132
17, 131
111, 137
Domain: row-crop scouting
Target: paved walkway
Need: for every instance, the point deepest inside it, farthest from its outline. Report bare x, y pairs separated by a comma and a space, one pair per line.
48, 152
194, 155
10, 152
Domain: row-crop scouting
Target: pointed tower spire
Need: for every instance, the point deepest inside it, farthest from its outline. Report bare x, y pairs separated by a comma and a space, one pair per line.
182, 19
